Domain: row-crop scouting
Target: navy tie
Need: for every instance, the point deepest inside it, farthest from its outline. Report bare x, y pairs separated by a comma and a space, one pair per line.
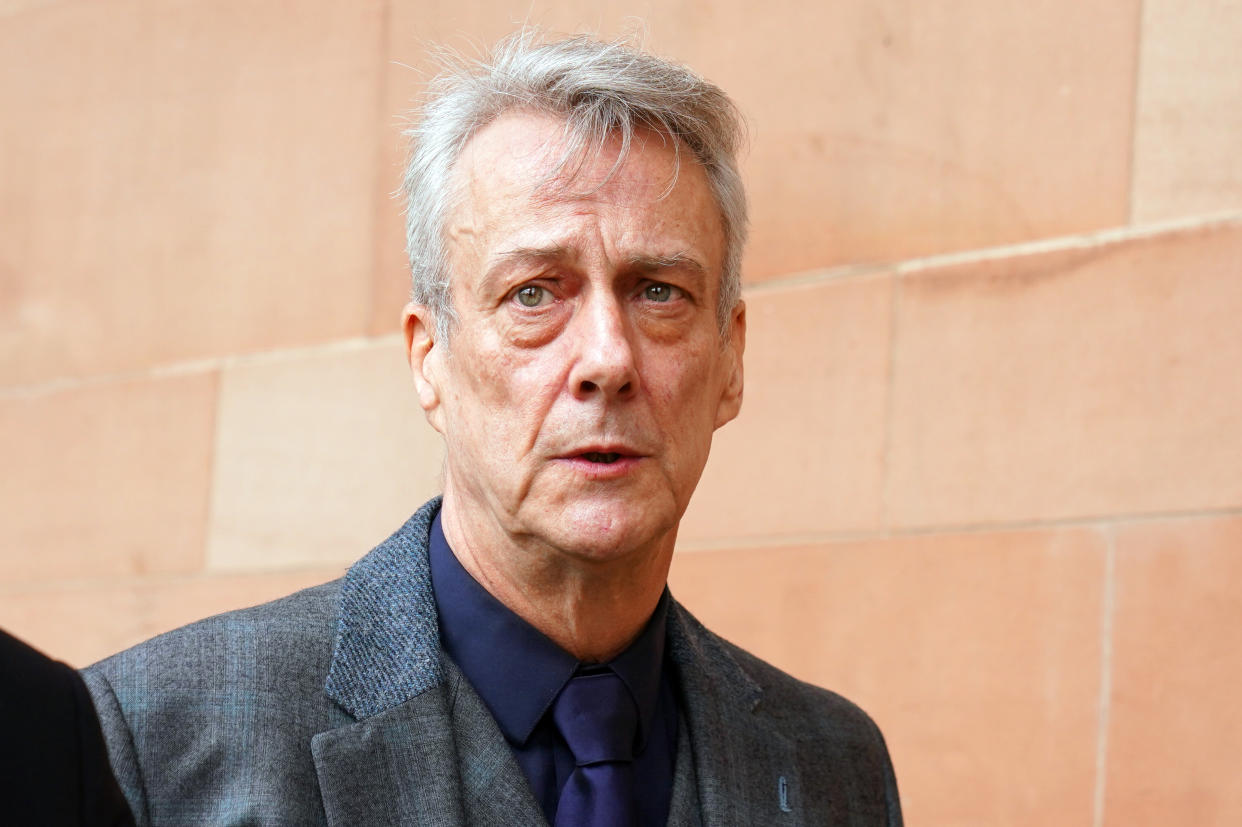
598, 719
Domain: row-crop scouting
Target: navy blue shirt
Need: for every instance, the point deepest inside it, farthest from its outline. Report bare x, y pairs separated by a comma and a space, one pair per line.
518, 672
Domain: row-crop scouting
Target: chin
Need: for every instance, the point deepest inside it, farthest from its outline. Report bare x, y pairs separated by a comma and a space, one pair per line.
610, 533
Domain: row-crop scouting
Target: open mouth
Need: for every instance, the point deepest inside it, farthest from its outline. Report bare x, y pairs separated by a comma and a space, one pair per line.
596, 456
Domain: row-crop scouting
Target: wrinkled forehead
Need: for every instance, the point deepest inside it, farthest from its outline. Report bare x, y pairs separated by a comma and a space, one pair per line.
537, 157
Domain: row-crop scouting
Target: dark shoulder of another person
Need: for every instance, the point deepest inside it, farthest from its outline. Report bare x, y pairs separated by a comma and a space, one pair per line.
54, 767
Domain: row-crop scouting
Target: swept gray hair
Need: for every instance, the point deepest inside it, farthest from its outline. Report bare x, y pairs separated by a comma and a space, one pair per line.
601, 89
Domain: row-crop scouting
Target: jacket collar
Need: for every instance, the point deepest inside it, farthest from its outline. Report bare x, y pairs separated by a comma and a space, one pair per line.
387, 656
387, 647
700, 654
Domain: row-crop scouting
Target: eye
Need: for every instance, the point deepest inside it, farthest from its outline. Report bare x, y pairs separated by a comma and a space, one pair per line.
532, 295
658, 292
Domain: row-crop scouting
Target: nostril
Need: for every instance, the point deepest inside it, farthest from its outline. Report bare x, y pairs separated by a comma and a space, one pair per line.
625, 388
589, 387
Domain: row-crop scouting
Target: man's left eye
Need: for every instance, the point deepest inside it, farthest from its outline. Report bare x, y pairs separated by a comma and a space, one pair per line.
658, 292
532, 295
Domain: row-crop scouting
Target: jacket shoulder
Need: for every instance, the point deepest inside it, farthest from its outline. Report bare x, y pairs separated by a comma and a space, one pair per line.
810, 709
841, 754
207, 722
283, 639
807, 709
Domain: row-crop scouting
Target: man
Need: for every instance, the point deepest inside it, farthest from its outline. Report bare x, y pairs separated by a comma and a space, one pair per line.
511, 655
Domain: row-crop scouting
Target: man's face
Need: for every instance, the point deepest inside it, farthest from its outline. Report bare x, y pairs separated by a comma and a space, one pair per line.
581, 385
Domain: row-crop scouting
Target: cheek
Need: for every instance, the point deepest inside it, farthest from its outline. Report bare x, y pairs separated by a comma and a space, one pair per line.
697, 374
511, 390
686, 389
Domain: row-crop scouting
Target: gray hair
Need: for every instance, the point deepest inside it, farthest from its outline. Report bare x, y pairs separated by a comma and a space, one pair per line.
601, 90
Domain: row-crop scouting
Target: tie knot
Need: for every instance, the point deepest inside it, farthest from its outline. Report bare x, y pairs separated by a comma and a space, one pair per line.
597, 717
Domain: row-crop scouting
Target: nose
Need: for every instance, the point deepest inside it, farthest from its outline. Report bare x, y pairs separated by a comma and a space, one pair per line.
603, 351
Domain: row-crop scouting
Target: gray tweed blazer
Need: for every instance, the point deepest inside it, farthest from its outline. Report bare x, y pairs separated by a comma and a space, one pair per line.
336, 705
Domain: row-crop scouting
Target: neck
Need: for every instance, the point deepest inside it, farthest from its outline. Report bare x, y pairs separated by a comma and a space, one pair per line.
591, 608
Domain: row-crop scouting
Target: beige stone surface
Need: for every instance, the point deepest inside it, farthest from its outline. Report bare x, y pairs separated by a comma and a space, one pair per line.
978, 655
319, 457
106, 479
1175, 723
80, 622
1188, 126
806, 455
183, 180
880, 130
1067, 384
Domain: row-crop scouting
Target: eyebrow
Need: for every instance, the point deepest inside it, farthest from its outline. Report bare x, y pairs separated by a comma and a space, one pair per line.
520, 255
639, 264
647, 264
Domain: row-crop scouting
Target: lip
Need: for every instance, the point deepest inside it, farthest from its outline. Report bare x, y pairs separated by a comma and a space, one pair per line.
627, 460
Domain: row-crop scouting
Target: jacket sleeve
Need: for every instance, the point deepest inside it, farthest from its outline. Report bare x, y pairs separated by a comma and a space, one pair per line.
120, 742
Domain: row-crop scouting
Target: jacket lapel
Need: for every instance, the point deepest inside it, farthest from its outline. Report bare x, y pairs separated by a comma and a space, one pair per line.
393, 760
438, 759
395, 768
387, 647
746, 770
684, 807
494, 789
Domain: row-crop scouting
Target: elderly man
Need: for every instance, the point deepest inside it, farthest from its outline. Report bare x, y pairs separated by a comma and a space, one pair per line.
511, 655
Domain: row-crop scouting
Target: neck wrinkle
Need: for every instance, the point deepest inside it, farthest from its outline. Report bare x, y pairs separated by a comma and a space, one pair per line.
592, 612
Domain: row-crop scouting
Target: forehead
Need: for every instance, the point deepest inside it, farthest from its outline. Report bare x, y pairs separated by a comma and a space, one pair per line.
518, 176
533, 150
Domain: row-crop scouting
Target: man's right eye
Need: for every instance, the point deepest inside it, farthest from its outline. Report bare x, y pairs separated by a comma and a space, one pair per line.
531, 295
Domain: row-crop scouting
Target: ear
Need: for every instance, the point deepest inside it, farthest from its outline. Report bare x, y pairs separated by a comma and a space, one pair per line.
731, 398
424, 355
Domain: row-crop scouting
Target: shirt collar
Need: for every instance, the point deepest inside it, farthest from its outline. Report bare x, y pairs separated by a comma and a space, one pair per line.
517, 671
